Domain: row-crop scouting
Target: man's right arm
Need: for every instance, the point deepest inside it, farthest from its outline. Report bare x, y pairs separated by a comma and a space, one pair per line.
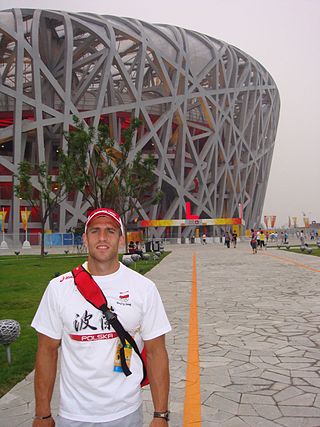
45, 375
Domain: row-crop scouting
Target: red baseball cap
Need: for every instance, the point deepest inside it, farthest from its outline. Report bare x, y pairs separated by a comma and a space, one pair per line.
110, 213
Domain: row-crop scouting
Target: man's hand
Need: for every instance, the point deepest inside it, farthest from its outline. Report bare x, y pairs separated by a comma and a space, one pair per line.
44, 423
44, 378
159, 422
158, 374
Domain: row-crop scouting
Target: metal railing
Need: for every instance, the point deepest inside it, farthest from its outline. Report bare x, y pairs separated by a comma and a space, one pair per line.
30, 242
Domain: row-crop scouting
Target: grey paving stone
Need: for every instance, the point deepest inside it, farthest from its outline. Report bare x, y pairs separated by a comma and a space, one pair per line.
273, 376
246, 409
235, 397
257, 399
312, 381
299, 411
238, 356
234, 422
290, 421
278, 386
258, 339
270, 360
270, 412
287, 393
306, 399
258, 422
222, 404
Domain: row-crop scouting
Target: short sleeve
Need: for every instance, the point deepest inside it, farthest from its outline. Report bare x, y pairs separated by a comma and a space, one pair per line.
47, 319
155, 321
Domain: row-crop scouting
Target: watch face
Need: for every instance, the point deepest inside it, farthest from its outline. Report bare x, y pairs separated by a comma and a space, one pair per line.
164, 415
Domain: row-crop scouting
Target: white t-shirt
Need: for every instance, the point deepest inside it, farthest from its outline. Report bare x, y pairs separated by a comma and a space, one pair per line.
91, 388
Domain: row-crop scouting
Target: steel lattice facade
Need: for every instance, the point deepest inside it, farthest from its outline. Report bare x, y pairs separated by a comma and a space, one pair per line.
210, 111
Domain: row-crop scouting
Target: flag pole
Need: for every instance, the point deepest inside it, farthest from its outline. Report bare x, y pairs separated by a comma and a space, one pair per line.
4, 244
26, 244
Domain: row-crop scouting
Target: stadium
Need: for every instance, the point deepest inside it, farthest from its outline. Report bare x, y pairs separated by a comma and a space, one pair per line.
209, 111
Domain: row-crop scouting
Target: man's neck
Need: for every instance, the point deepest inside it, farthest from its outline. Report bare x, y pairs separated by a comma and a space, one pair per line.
102, 269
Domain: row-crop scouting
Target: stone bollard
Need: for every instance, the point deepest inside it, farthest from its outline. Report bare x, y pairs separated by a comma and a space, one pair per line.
9, 332
127, 260
135, 257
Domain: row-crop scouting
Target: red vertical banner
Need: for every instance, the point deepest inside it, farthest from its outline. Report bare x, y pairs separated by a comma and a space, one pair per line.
273, 220
240, 210
266, 221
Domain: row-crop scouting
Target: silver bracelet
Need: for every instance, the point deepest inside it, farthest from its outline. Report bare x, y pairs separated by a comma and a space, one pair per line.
36, 417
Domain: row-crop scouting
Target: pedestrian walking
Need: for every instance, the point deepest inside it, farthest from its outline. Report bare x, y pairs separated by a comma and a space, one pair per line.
227, 239
258, 237
253, 241
234, 239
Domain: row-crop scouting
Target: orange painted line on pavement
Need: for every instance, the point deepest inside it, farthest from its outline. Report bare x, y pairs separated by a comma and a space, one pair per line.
192, 400
298, 264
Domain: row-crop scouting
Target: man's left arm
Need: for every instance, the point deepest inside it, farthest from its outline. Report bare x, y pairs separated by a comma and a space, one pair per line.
159, 378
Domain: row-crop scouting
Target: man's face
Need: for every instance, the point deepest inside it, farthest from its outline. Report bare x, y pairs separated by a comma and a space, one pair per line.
102, 239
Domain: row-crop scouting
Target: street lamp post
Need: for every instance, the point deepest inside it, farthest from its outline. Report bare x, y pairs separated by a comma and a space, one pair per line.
4, 244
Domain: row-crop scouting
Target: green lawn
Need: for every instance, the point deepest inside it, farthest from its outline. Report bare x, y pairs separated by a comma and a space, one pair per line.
296, 249
23, 280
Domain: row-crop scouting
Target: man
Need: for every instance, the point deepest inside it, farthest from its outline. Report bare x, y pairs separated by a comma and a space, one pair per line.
94, 391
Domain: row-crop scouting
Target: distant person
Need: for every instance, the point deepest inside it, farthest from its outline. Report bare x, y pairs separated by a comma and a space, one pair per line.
253, 241
262, 239
234, 239
258, 237
204, 239
131, 247
138, 248
227, 239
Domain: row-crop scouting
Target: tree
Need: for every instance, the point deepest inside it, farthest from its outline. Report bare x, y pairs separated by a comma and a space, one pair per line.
106, 174
51, 191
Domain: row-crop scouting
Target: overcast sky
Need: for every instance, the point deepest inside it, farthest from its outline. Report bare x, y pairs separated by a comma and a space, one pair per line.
284, 35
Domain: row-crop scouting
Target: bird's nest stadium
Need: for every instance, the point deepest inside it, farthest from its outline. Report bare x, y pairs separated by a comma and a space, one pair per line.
209, 110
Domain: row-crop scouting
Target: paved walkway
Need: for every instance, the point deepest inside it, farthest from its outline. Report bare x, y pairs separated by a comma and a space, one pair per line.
259, 338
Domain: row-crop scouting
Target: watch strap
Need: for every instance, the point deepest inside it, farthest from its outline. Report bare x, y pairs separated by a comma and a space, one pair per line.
165, 415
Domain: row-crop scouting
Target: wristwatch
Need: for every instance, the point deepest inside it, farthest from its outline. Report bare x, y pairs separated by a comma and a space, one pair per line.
164, 415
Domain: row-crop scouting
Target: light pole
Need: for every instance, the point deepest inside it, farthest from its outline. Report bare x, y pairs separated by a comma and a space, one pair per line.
4, 244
